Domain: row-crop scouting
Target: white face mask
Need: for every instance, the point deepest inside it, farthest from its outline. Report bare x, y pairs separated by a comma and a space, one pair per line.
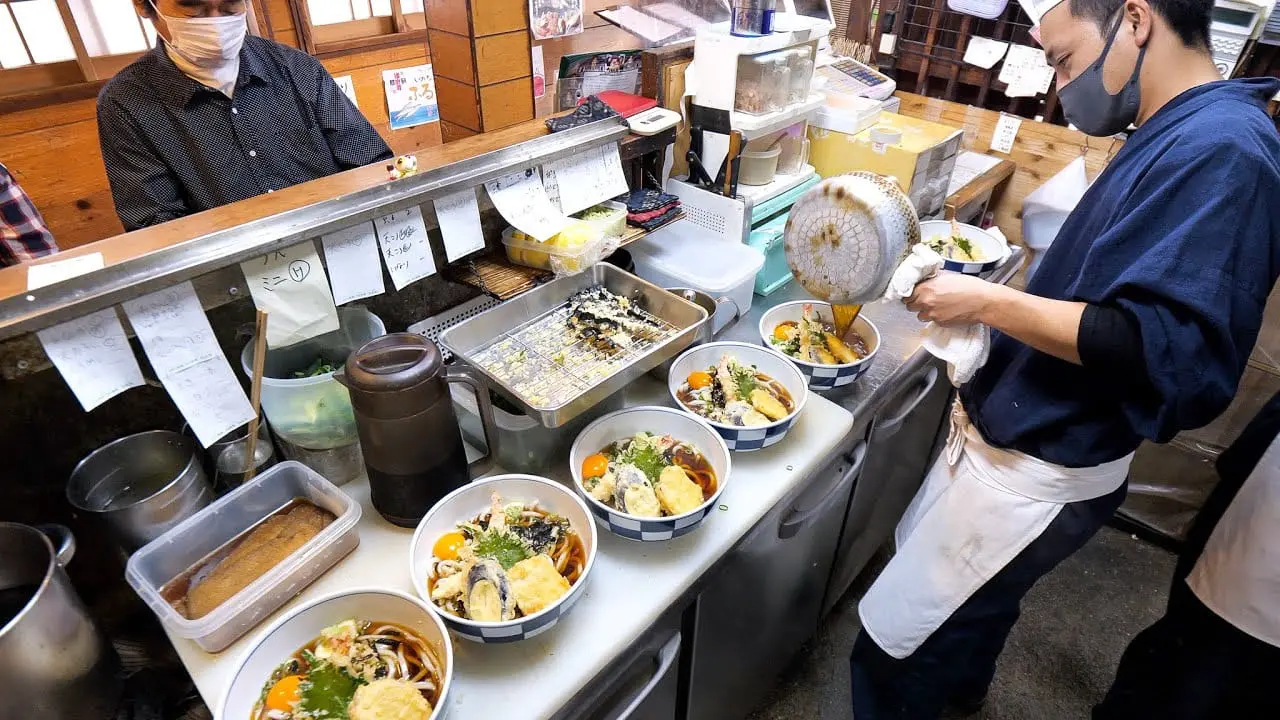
207, 42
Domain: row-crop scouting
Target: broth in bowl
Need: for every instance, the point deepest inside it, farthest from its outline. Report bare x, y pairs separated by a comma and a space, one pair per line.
731, 393
649, 475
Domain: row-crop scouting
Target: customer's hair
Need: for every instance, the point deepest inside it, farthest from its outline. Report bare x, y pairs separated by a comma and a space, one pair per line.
1188, 18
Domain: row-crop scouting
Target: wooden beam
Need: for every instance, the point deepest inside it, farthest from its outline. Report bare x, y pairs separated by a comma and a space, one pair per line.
77, 42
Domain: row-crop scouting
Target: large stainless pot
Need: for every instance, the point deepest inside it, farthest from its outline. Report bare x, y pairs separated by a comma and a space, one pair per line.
54, 662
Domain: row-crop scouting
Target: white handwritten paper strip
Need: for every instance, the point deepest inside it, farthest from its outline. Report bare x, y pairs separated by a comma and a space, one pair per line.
355, 270
94, 357
984, 52
459, 218
586, 178
1005, 133
48, 273
291, 286
522, 201
180, 344
403, 238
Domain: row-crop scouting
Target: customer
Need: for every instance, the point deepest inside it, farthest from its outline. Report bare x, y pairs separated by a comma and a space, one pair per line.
23, 234
1216, 651
214, 115
1138, 325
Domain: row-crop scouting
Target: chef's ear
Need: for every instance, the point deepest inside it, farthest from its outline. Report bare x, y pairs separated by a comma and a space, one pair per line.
144, 9
1139, 16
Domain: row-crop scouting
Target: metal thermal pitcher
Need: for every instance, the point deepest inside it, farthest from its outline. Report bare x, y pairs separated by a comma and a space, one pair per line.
409, 434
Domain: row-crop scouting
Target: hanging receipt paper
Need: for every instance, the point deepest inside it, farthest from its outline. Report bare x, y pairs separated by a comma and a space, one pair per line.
522, 201
291, 286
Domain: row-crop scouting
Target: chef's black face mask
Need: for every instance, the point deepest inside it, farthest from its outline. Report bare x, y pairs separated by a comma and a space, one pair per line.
1088, 105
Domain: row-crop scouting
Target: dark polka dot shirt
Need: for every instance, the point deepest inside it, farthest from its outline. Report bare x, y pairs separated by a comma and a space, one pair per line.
173, 147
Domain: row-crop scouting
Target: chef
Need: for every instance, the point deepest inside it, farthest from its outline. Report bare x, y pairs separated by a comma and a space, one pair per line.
1137, 325
1216, 652
214, 115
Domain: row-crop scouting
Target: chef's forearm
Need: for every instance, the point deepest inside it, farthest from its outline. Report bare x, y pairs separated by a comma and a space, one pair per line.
1050, 326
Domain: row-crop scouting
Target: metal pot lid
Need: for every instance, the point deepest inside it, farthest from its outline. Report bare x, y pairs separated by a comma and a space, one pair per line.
846, 235
390, 363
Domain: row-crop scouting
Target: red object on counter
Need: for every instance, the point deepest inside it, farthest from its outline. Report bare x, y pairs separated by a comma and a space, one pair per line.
625, 104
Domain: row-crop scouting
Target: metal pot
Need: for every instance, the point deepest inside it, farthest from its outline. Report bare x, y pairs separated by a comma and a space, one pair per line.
708, 330
54, 662
142, 485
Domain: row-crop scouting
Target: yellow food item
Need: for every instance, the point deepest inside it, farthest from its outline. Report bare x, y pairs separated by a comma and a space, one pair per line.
699, 379
388, 699
768, 405
575, 234
595, 466
446, 548
821, 355
842, 352
284, 694
536, 584
640, 500
677, 493
784, 330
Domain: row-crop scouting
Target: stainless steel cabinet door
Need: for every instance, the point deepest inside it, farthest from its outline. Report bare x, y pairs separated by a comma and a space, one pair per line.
767, 599
647, 688
898, 450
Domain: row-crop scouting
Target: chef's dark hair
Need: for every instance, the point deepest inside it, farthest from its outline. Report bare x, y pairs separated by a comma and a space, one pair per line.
1188, 18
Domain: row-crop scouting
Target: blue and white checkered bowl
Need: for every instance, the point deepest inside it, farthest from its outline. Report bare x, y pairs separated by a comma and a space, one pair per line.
660, 421
770, 362
474, 499
989, 247
302, 625
821, 377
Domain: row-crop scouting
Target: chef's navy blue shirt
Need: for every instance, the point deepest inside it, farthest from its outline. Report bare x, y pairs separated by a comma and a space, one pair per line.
173, 146
1181, 232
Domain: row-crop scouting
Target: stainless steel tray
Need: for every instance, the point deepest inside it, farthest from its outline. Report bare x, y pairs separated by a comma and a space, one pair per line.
578, 382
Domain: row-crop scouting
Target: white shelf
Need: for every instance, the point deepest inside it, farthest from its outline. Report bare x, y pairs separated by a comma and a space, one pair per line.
754, 126
781, 184
788, 30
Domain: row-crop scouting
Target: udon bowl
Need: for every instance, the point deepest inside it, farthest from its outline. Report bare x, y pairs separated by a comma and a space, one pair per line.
821, 377
303, 624
659, 421
473, 499
770, 362
992, 251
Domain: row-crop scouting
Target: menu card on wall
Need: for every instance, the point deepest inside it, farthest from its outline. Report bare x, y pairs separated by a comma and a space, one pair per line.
459, 218
291, 286
523, 202
585, 178
403, 237
355, 269
181, 346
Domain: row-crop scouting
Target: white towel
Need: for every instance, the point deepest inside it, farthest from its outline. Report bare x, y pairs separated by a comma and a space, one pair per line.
964, 347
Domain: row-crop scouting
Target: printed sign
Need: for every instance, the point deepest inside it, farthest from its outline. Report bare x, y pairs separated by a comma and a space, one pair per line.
555, 18
411, 96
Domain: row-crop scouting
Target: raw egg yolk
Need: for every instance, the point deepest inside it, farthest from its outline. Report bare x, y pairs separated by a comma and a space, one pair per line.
284, 694
595, 466
699, 379
446, 548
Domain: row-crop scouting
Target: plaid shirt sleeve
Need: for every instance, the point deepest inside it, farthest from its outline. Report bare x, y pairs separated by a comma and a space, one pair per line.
23, 234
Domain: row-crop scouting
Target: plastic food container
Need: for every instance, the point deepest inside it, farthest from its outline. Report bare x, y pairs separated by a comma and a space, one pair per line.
554, 254
716, 267
757, 167
199, 536
313, 412
800, 61
763, 83
614, 224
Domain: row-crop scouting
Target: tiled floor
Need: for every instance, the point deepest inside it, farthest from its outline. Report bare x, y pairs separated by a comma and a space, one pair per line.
1060, 658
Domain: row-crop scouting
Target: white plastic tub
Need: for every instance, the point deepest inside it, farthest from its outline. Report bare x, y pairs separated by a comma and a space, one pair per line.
201, 535
716, 267
757, 167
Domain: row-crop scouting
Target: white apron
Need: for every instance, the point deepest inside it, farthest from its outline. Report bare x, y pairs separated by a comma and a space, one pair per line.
979, 507
1238, 574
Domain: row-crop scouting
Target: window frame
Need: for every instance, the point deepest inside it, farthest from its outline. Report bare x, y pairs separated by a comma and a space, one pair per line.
323, 41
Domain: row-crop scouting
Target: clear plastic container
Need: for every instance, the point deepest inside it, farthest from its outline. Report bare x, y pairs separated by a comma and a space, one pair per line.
719, 268
313, 412
800, 61
763, 83
757, 167
555, 254
612, 224
200, 537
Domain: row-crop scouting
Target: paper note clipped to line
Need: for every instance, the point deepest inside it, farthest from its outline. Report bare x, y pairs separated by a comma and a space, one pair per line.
355, 266
290, 285
1026, 72
585, 178
523, 202
184, 352
984, 52
1005, 133
405, 249
459, 218
91, 353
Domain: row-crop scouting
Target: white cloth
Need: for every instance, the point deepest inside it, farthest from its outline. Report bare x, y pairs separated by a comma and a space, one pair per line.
979, 507
1238, 574
964, 347
1037, 9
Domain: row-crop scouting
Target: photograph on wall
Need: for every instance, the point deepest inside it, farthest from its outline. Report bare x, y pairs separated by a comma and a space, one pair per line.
555, 18
590, 73
411, 96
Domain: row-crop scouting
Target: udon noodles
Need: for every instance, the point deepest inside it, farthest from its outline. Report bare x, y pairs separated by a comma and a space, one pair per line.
731, 393
649, 476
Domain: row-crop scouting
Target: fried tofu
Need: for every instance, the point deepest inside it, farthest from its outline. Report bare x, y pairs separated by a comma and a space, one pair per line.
536, 584
677, 493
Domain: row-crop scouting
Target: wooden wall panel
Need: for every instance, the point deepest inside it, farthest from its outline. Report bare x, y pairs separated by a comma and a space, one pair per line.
462, 97
448, 15
451, 131
490, 17
452, 56
506, 104
503, 57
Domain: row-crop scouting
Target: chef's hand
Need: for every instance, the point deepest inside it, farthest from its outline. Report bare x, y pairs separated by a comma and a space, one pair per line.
950, 298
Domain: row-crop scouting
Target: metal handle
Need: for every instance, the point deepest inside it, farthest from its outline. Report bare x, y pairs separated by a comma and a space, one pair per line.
737, 314
467, 376
799, 518
666, 657
926, 382
64, 543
